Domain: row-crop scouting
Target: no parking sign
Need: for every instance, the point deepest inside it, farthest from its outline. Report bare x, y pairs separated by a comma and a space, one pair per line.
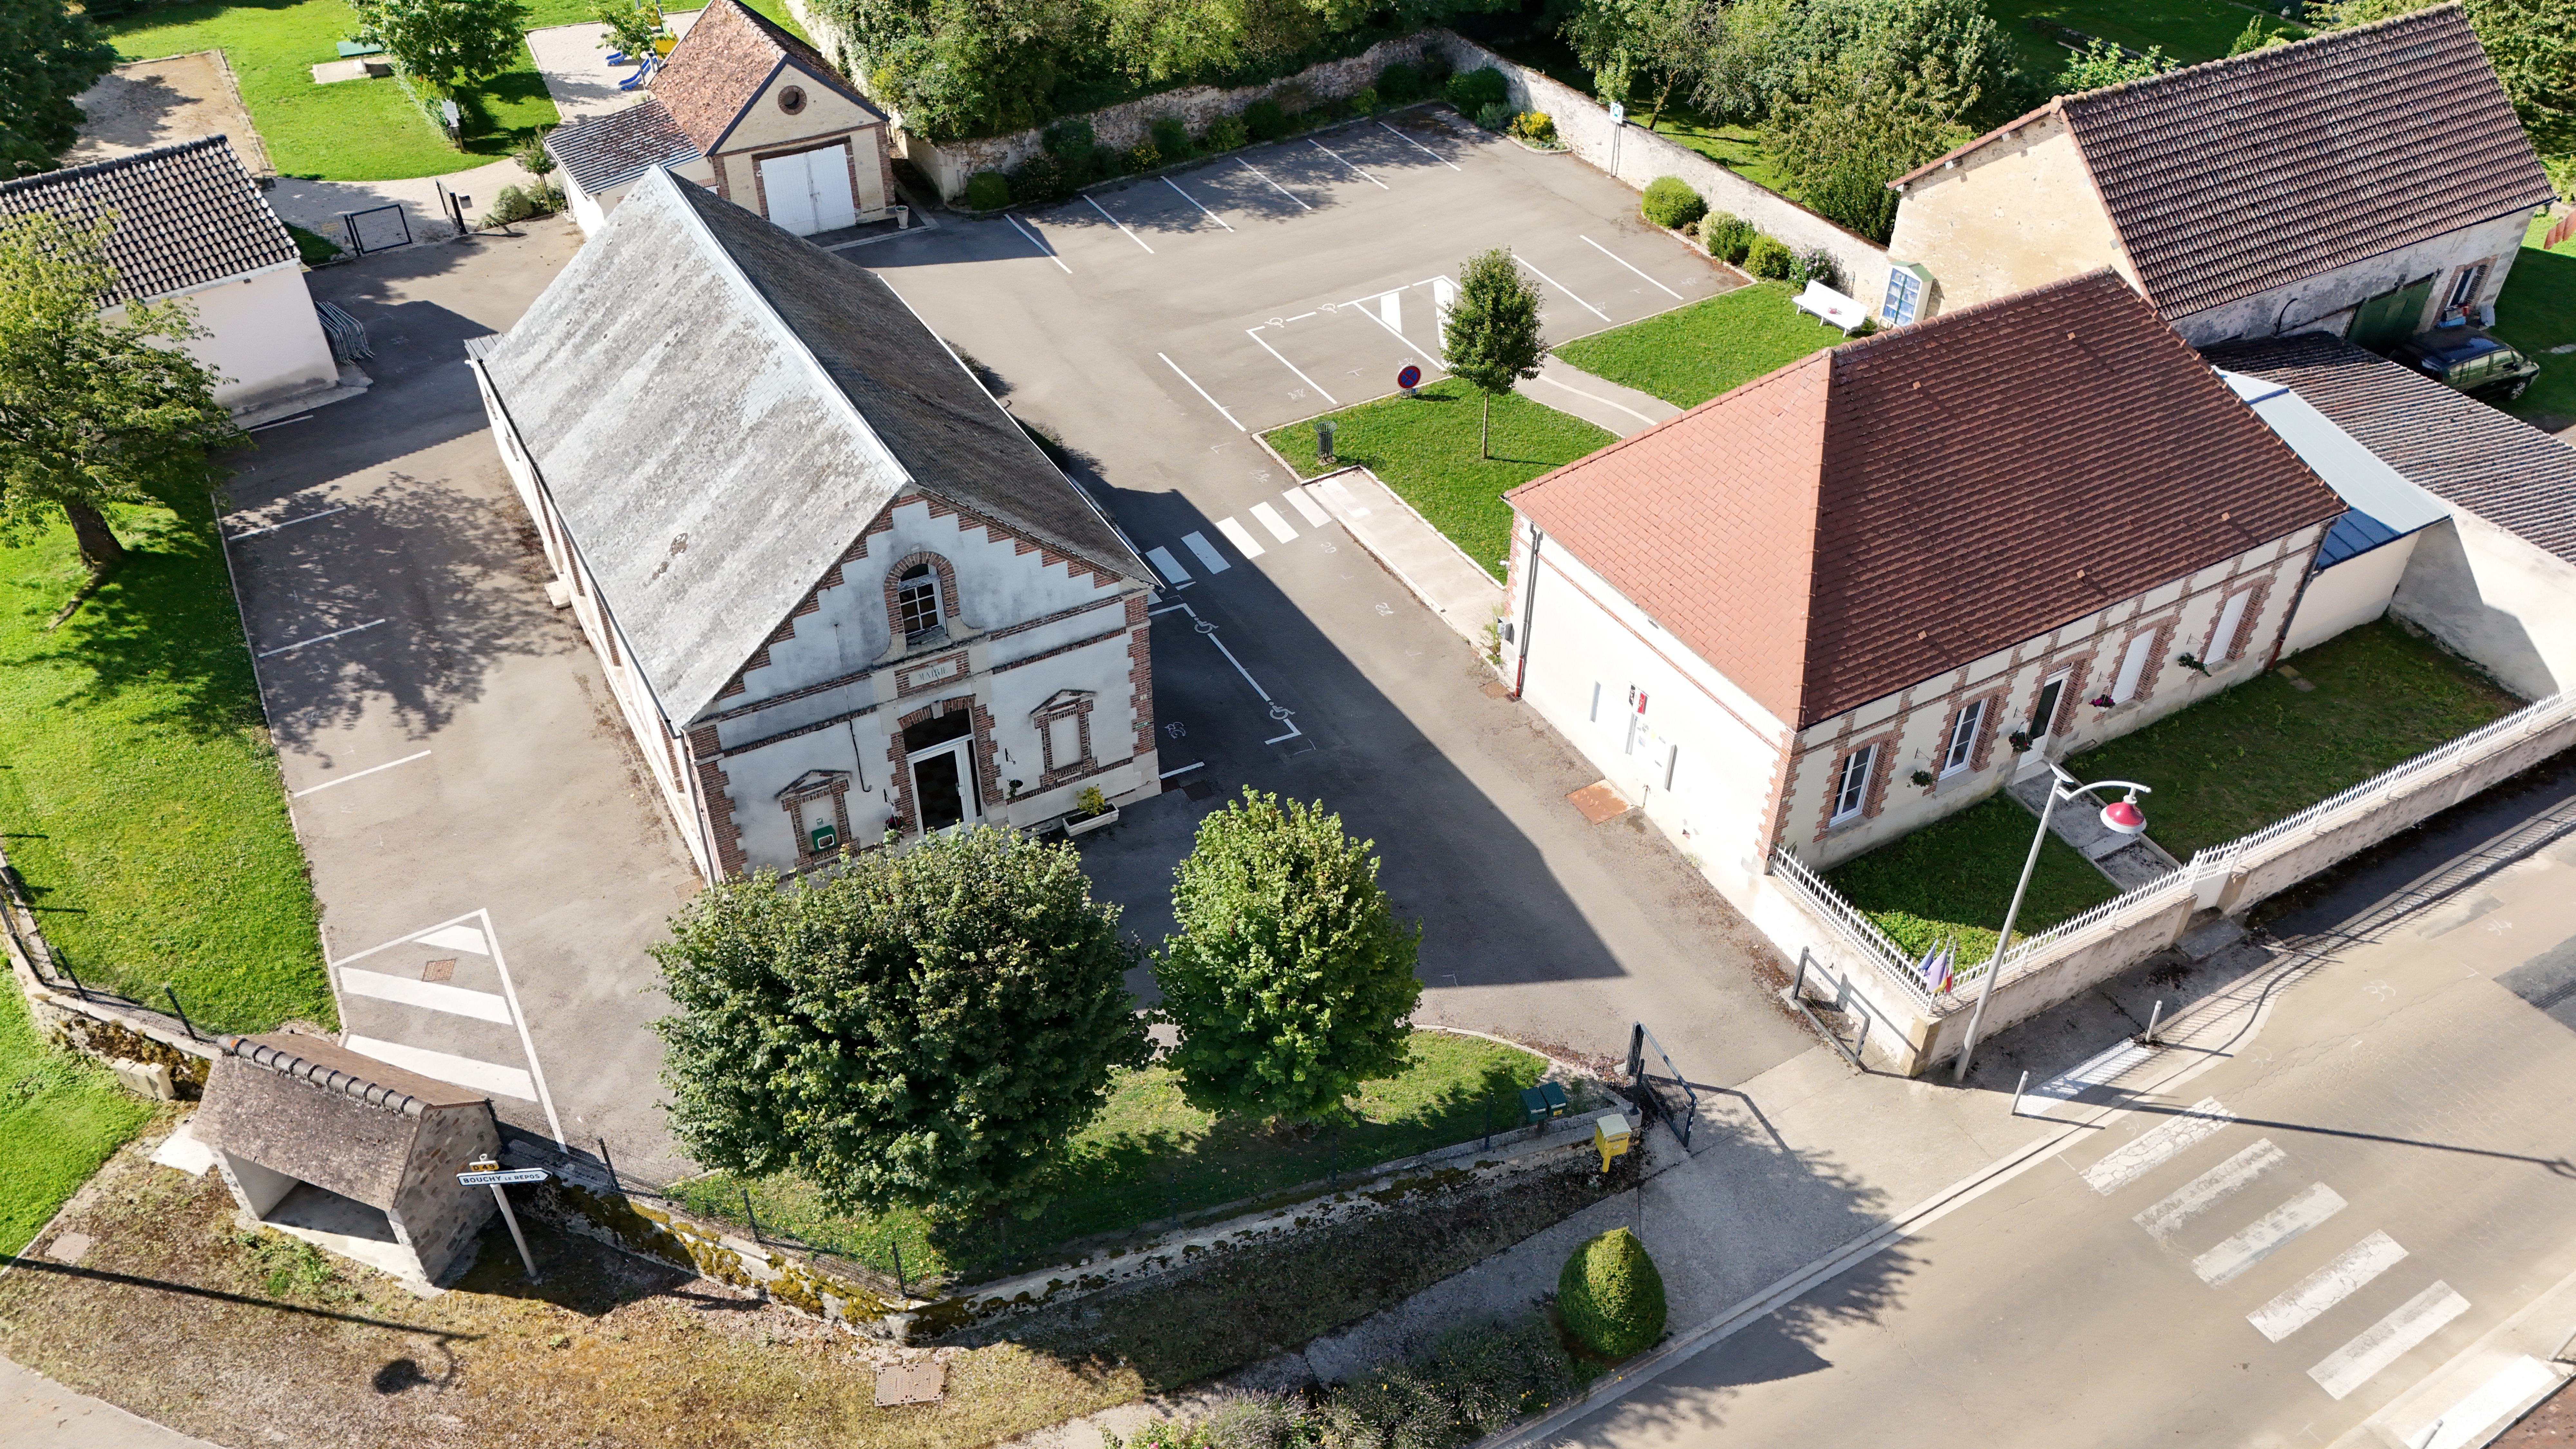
1409, 379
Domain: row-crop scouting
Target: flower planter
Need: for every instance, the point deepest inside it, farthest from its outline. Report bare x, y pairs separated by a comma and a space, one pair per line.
1085, 824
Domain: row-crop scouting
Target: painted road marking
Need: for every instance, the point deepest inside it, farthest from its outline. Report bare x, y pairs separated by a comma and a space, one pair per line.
319, 638
1307, 508
1255, 334
2520, 1382
1122, 226
1044, 250
1338, 156
2154, 1148
1273, 185
456, 1000
481, 1076
1341, 498
1271, 520
1560, 286
1168, 566
359, 775
1209, 558
290, 523
1240, 536
2268, 1234
2204, 1192
1418, 146
1203, 392
457, 938
2384, 1342
2326, 1287
1194, 201
1390, 309
1623, 261
2066, 1086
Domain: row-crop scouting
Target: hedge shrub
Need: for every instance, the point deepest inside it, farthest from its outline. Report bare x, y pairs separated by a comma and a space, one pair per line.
1399, 83
1041, 179
1140, 158
1769, 257
1726, 236
1069, 140
1363, 101
1225, 133
1471, 1382
1610, 1295
1477, 89
1265, 120
1815, 264
1670, 202
1172, 138
1496, 117
988, 191
1536, 127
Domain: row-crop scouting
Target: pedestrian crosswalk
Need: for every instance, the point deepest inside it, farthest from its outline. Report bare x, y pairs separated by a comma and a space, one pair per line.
2216, 1222
440, 1002
1316, 503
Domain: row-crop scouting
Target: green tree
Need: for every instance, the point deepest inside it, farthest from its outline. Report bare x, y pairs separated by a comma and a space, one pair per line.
1841, 146
447, 43
1291, 980
1670, 41
633, 26
1492, 334
924, 1029
2531, 44
93, 410
49, 54
2101, 63
2258, 34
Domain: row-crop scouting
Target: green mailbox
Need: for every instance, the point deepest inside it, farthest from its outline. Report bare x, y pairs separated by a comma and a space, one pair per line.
1543, 1101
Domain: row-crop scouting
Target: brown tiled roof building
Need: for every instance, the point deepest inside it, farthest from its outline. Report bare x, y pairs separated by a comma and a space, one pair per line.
725, 62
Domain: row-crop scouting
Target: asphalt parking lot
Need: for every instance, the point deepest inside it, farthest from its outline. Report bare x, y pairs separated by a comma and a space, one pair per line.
1152, 327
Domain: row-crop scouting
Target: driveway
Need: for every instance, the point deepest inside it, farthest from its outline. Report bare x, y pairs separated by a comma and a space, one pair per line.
1151, 327
490, 860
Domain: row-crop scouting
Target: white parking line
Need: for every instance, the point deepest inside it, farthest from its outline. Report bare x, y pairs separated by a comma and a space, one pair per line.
1240, 536
2156, 1147
1623, 261
1255, 334
319, 638
1194, 201
2323, 1289
1122, 226
2205, 1191
1271, 520
1307, 507
481, 1076
1168, 566
359, 775
2268, 1234
1391, 304
2385, 1342
403, 990
1209, 558
1338, 156
1202, 392
1560, 286
1273, 185
290, 523
1044, 250
1418, 146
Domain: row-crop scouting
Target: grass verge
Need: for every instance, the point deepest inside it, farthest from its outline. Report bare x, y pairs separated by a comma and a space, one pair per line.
60, 1116
1152, 1155
1691, 354
2536, 312
1424, 448
1955, 877
138, 786
2190, 31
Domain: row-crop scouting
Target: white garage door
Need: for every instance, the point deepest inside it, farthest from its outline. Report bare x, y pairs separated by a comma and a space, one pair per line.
810, 191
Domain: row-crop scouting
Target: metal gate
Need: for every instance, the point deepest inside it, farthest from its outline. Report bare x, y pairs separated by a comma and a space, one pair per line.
376, 229
1667, 1096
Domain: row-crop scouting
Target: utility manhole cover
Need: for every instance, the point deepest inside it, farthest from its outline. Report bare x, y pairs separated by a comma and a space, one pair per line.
1597, 802
911, 1383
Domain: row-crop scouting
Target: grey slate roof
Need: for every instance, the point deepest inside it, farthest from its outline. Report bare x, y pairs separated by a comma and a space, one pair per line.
186, 214
611, 150
719, 408
2459, 449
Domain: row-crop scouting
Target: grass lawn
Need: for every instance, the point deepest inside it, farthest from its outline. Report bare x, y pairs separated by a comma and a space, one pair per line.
1737, 148
1955, 877
1691, 354
137, 786
2240, 760
1150, 1155
2190, 31
1425, 449
60, 1116
2537, 312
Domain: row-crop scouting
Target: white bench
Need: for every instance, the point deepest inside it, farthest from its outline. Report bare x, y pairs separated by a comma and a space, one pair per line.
1831, 307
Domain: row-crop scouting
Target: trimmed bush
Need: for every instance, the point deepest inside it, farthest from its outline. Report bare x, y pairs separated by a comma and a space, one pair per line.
1477, 89
1815, 264
1726, 236
1536, 127
1172, 138
1069, 140
1769, 257
1435, 69
1363, 101
1225, 133
988, 191
1141, 158
1039, 180
1669, 202
1496, 117
1265, 120
1399, 83
1610, 1295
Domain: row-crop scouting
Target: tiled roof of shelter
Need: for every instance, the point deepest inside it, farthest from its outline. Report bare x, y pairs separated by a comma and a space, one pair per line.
723, 64
186, 214
1894, 507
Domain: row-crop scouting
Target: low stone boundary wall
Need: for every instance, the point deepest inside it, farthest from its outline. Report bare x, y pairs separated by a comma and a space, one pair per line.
155, 1054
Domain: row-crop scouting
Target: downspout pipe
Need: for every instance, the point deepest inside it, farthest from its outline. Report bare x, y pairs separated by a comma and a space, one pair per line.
1529, 602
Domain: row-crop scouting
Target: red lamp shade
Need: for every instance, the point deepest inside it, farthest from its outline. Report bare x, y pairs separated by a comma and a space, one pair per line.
2123, 817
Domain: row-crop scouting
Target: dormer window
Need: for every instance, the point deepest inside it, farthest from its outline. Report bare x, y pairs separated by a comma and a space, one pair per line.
916, 604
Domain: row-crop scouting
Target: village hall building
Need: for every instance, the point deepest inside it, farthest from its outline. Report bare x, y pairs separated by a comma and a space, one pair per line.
1867, 590
837, 590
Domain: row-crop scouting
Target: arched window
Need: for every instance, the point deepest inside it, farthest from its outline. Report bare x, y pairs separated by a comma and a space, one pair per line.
916, 603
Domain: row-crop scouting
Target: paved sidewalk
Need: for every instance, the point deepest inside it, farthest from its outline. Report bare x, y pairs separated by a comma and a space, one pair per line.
1437, 571
1597, 400
37, 1413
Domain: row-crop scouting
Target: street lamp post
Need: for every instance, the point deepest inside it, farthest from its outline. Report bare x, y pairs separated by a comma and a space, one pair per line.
2120, 817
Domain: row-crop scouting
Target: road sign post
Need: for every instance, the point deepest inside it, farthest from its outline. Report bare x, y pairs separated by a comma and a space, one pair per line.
1409, 379
488, 1173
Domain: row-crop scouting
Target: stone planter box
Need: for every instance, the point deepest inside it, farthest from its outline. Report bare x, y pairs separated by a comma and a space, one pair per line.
1085, 824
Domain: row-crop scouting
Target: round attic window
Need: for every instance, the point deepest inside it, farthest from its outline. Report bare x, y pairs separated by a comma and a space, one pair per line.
791, 99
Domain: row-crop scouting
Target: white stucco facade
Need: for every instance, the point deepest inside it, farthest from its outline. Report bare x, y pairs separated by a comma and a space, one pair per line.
262, 337
2497, 598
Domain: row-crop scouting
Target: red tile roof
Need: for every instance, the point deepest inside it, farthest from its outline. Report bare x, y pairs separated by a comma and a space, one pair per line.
1894, 507
723, 63
2228, 179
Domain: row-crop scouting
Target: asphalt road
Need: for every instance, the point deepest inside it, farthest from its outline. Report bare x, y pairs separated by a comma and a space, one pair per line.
1150, 328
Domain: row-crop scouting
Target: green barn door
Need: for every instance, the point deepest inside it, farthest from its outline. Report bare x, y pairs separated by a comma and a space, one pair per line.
2389, 318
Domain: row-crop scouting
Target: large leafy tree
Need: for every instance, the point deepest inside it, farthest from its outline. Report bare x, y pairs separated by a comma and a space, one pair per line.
2101, 63
925, 1029
1669, 42
2531, 44
447, 43
1492, 333
49, 54
1291, 979
94, 409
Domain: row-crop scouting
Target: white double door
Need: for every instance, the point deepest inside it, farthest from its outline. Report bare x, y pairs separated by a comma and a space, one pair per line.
809, 191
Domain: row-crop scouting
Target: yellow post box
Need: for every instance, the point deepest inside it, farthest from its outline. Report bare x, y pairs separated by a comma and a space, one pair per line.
1610, 1137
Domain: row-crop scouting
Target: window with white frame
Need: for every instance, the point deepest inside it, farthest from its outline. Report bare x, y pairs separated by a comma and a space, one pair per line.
2231, 622
1851, 786
916, 603
1963, 737
2133, 668
2464, 291
1904, 300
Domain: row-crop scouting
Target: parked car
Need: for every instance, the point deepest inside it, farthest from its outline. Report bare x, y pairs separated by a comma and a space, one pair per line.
2469, 360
